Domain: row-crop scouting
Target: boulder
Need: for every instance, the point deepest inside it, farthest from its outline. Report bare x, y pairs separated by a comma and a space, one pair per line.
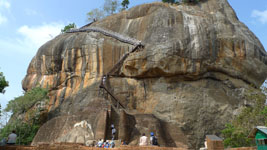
186, 80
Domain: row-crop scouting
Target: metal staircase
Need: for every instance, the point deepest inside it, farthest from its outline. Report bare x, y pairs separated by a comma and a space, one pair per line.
114, 102
111, 73
123, 38
118, 36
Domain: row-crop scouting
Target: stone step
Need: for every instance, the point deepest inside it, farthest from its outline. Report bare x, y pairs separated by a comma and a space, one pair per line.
117, 143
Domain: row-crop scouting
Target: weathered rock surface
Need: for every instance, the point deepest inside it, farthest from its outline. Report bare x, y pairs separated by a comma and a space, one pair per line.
187, 81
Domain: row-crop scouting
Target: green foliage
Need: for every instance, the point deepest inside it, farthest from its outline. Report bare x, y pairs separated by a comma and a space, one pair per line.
125, 4
23, 103
264, 113
236, 137
95, 14
110, 7
236, 132
3, 83
68, 27
26, 118
25, 131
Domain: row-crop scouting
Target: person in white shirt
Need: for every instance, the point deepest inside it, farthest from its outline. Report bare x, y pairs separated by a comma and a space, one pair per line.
12, 138
143, 140
206, 147
100, 143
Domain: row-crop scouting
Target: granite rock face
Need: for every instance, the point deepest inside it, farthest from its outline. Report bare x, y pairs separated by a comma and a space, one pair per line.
187, 81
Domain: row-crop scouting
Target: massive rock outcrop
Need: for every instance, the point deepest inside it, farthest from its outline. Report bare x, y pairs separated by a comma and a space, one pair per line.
187, 80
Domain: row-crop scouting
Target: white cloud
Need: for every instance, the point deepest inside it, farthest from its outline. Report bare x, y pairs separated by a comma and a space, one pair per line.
4, 4
31, 38
260, 15
38, 35
20, 50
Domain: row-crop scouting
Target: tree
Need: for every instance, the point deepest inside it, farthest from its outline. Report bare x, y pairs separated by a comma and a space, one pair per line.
111, 7
95, 14
68, 27
237, 130
125, 4
25, 130
28, 113
23, 103
3, 83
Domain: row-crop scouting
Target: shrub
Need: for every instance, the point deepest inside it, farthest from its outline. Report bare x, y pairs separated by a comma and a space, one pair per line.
3, 83
26, 119
68, 27
25, 131
238, 129
236, 137
22, 103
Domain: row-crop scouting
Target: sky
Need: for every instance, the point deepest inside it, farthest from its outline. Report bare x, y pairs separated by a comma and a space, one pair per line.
28, 24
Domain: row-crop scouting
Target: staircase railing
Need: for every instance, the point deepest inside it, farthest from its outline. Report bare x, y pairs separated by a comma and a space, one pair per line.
118, 36
112, 70
123, 38
118, 102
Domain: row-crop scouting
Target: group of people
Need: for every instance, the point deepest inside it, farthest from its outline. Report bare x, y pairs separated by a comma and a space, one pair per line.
107, 144
11, 139
144, 140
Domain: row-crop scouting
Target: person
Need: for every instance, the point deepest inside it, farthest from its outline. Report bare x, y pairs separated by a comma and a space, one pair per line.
104, 79
205, 144
112, 144
11, 140
113, 131
106, 144
153, 139
143, 140
100, 143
